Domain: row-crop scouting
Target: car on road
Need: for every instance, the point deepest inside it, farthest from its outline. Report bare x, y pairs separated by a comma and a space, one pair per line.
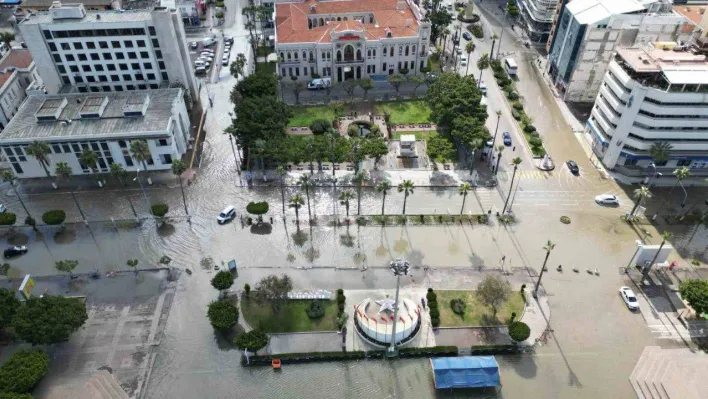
507, 139
463, 58
200, 70
572, 166
629, 298
607, 199
227, 214
17, 250
463, 63
3, 208
225, 60
467, 36
194, 45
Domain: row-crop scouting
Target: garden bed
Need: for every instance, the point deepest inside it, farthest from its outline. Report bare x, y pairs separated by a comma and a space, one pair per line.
392, 220
476, 314
419, 134
405, 112
303, 116
293, 358
290, 318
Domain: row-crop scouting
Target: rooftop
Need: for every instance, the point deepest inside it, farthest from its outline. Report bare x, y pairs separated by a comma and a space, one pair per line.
87, 115
692, 13
14, 59
678, 66
48, 3
591, 11
292, 19
91, 17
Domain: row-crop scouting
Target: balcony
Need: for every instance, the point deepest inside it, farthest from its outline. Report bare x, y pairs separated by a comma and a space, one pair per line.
347, 60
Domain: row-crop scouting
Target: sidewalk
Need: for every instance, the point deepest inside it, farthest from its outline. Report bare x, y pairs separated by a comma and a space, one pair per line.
537, 315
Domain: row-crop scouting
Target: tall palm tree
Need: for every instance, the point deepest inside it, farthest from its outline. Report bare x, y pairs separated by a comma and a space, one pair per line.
494, 39
358, 180
63, 171
548, 248
9, 177
482, 64
469, 48
383, 188
660, 150
500, 149
305, 183
90, 159
475, 145
280, 171
39, 150
406, 187
463, 189
516, 162
119, 172
141, 152
681, 174
640, 195
296, 202
345, 197
665, 236
178, 168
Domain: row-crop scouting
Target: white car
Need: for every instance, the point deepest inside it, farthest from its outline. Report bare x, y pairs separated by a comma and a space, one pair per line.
629, 298
227, 214
463, 58
607, 199
463, 63
206, 58
3, 208
459, 51
225, 60
207, 53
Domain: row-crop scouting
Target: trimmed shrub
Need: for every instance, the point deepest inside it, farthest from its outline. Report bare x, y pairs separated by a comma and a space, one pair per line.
529, 128
7, 219
519, 331
434, 312
340, 291
429, 289
159, 210
435, 321
220, 15
222, 315
508, 88
219, 4
476, 30
458, 306
431, 296
353, 130
535, 142
517, 106
516, 114
54, 217
246, 289
23, 370
340, 306
320, 126
513, 96
316, 310
257, 208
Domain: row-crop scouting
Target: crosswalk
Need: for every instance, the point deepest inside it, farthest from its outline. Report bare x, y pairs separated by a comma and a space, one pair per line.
675, 332
525, 175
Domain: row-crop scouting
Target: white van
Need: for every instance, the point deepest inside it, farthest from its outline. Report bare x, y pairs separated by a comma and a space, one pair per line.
319, 84
510, 66
483, 88
227, 214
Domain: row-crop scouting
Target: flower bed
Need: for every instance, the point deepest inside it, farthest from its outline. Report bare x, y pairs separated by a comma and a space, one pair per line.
390, 220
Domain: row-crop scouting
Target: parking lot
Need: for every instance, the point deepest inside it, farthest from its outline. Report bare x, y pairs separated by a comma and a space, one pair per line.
197, 48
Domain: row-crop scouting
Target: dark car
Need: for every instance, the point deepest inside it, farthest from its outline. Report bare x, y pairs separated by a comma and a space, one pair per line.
15, 251
467, 36
507, 139
572, 166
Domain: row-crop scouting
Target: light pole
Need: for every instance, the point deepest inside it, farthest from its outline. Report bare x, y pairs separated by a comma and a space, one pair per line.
494, 139
137, 178
399, 267
233, 149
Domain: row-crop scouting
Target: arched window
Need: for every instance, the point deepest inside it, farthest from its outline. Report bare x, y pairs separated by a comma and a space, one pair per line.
413, 49
329, 55
422, 50
358, 54
289, 56
312, 56
324, 55
391, 52
368, 52
374, 53
309, 24
345, 19
339, 18
400, 50
349, 53
371, 19
282, 56
295, 55
304, 55
321, 22
407, 49
339, 55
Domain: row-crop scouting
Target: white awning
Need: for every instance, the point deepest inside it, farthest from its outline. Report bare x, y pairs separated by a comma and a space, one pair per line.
695, 76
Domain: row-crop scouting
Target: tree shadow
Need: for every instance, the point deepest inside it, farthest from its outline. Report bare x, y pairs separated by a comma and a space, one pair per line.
299, 238
65, 236
225, 339
166, 229
16, 238
261, 229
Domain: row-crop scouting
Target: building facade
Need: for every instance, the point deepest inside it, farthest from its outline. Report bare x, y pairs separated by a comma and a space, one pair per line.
106, 51
106, 123
28, 6
588, 32
537, 18
654, 93
350, 39
17, 73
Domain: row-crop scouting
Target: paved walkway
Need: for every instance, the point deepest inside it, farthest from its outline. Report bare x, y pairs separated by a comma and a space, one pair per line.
305, 342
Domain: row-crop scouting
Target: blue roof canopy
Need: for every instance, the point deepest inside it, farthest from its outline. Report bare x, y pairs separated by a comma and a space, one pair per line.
465, 372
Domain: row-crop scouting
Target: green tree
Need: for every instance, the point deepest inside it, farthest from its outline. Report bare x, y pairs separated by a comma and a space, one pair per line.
141, 152
252, 341
383, 187
366, 84
66, 266
297, 88
8, 307
222, 315
511, 9
262, 118
222, 280
50, 319
463, 189
375, 148
12, 395
39, 150
396, 80
119, 172
296, 202
440, 149
431, 77
455, 98
255, 86
281, 172
90, 159
7, 38
133, 264
659, 151
482, 64
516, 162
349, 87
273, 290
695, 292
320, 126
439, 18
23, 370
306, 183
345, 197
681, 174
469, 48
640, 194
63, 171
500, 150
236, 67
178, 168
417, 81
519, 331
406, 187
9, 177
493, 292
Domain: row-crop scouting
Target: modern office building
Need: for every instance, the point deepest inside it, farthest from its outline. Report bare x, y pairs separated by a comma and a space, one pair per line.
78, 50
537, 18
588, 32
650, 94
17, 73
350, 39
103, 122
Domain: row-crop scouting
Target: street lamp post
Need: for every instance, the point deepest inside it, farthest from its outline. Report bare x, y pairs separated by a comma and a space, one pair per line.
233, 149
137, 178
398, 267
494, 139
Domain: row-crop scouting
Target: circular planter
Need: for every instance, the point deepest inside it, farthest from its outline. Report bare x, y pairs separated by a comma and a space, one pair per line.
565, 219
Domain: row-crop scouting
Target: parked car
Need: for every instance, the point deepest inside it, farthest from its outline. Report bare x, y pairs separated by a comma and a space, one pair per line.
629, 298
459, 51
463, 58
17, 250
607, 199
206, 59
200, 70
319, 84
507, 139
572, 166
227, 214
3, 208
225, 60
463, 63
228, 39
194, 45
467, 36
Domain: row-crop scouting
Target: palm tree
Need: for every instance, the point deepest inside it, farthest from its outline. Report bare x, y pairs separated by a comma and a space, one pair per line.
305, 182
9, 177
344, 198
141, 152
39, 150
660, 150
500, 149
407, 189
446, 33
358, 179
7, 38
640, 195
482, 64
681, 174
664, 237
280, 171
494, 39
475, 144
178, 168
296, 202
90, 159
469, 48
516, 162
63, 171
548, 248
383, 188
463, 189
118, 172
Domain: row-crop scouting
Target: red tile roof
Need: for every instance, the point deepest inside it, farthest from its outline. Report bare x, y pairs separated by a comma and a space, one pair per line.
21, 59
292, 20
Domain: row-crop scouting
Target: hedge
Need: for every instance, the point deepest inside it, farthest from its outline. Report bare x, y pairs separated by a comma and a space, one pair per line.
513, 96
159, 210
519, 331
54, 217
292, 358
516, 114
7, 219
23, 370
257, 208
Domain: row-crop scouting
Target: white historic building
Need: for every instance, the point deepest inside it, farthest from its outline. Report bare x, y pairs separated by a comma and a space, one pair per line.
104, 51
653, 93
17, 73
104, 122
350, 39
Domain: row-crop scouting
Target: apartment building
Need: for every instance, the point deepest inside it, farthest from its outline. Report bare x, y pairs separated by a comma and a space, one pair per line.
653, 93
537, 18
350, 39
17, 73
106, 51
588, 32
103, 122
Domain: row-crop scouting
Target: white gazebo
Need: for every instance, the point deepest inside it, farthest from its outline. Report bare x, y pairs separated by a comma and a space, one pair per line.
407, 145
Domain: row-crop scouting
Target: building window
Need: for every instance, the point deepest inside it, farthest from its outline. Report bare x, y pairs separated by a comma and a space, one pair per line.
138, 76
166, 159
140, 43
120, 56
147, 65
158, 54
102, 78
132, 55
115, 44
144, 54
103, 44
127, 77
47, 34
135, 65
150, 76
82, 57
155, 43
111, 67
115, 78
164, 76
86, 68
118, 88
57, 57
98, 67
684, 162
74, 68
162, 143
90, 79
52, 46
90, 45
128, 43
61, 68
151, 29
161, 64
123, 67
69, 57
107, 56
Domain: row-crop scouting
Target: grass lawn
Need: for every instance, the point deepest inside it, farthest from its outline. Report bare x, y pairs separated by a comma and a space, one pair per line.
291, 318
265, 67
264, 51
434, 62
403, 112
476, 314
303, 116
419, 135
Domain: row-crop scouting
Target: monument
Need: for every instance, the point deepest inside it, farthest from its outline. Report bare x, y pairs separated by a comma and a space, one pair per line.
374, 321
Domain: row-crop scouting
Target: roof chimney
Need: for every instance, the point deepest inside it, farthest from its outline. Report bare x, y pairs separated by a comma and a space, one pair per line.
313, 8
401, 5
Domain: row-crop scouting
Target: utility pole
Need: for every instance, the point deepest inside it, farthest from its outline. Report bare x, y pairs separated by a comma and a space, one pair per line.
399, 267
494, 139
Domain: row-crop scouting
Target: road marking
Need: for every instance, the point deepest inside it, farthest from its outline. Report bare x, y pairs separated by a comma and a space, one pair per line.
542, 204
